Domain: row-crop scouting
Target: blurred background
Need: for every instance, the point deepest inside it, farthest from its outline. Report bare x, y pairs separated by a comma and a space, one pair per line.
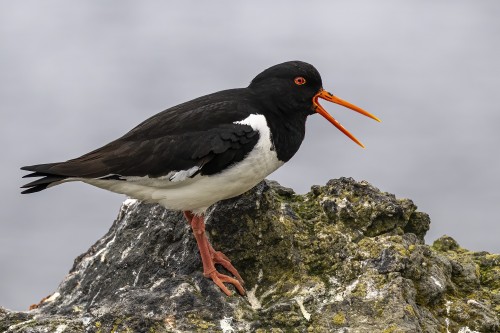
76, 75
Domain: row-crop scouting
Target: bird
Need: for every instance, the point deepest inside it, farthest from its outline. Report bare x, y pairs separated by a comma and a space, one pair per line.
193, 155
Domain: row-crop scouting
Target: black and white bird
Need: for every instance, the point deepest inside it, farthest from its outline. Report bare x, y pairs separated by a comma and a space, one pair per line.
212, 148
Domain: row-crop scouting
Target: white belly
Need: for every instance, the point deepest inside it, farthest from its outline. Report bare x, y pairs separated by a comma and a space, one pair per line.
198, 193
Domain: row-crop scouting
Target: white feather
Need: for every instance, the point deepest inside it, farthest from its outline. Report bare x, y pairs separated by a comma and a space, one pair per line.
183, 174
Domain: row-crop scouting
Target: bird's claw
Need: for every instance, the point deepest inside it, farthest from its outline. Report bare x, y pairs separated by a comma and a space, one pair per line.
221, 259
219, 279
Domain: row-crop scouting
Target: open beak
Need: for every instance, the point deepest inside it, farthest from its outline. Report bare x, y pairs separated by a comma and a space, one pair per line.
329, 97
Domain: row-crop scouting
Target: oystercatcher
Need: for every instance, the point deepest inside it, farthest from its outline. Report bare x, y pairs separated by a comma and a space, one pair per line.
212, 148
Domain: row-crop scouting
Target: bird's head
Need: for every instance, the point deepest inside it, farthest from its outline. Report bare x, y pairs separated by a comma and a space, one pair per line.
297, 85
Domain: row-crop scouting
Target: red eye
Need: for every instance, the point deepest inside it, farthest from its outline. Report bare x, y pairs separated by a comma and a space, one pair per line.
299, 80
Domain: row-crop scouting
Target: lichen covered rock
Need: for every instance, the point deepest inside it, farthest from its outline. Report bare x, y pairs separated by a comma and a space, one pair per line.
345, 257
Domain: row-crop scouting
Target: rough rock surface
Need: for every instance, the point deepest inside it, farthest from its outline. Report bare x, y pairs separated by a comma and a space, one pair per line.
345, 257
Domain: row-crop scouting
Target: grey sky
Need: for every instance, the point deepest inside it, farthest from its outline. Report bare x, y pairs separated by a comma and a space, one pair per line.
75, 75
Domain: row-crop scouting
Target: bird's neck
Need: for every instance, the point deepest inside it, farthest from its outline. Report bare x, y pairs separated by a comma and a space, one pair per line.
285, 118
287, 130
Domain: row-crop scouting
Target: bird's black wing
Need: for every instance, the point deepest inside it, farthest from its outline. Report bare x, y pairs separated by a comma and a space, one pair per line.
200, 135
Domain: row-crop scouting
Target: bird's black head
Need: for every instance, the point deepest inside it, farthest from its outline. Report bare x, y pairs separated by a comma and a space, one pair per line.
290, 85
295, 87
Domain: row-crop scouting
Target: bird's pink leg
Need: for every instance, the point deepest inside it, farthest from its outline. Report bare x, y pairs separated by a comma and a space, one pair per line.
210, 257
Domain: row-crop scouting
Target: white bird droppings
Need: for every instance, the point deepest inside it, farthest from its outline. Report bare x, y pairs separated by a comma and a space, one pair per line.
225, 324
300, 302
252, 298
436, 282
466, 329
447, 320
52, 298
61, 328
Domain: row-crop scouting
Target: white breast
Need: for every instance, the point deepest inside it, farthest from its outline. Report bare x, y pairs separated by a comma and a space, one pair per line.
198, 193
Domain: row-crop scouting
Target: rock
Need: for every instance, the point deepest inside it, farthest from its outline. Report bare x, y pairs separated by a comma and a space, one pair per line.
345, 257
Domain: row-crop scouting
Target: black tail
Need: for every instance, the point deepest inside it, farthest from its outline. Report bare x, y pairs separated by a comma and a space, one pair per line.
40, 170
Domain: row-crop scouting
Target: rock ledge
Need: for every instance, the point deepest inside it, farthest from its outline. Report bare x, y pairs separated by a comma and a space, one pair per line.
345, 257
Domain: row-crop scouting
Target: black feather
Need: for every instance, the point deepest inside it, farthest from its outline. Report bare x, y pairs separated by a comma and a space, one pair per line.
39, 168
34, 189
45, 180
34, 174
113, 177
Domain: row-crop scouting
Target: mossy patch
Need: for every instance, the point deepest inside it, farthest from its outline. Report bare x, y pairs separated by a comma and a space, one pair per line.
339, 319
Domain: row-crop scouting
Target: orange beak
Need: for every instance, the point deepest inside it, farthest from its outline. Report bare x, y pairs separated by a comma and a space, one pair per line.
329, 97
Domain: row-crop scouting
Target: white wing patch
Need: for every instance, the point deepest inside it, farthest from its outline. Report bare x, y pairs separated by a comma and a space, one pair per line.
178, 176
258, 123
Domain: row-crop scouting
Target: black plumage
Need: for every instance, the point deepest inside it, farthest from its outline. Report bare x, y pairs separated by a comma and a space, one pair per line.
197, 133
201, 132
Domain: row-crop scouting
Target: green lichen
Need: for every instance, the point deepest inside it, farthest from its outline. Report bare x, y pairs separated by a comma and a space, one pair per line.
199, 323
445, 243
116, 323
360, 290
410, 310
339, 319
390, 329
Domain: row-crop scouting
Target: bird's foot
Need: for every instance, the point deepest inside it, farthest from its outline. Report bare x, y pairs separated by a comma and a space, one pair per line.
219, 279
210, 257
220, 258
